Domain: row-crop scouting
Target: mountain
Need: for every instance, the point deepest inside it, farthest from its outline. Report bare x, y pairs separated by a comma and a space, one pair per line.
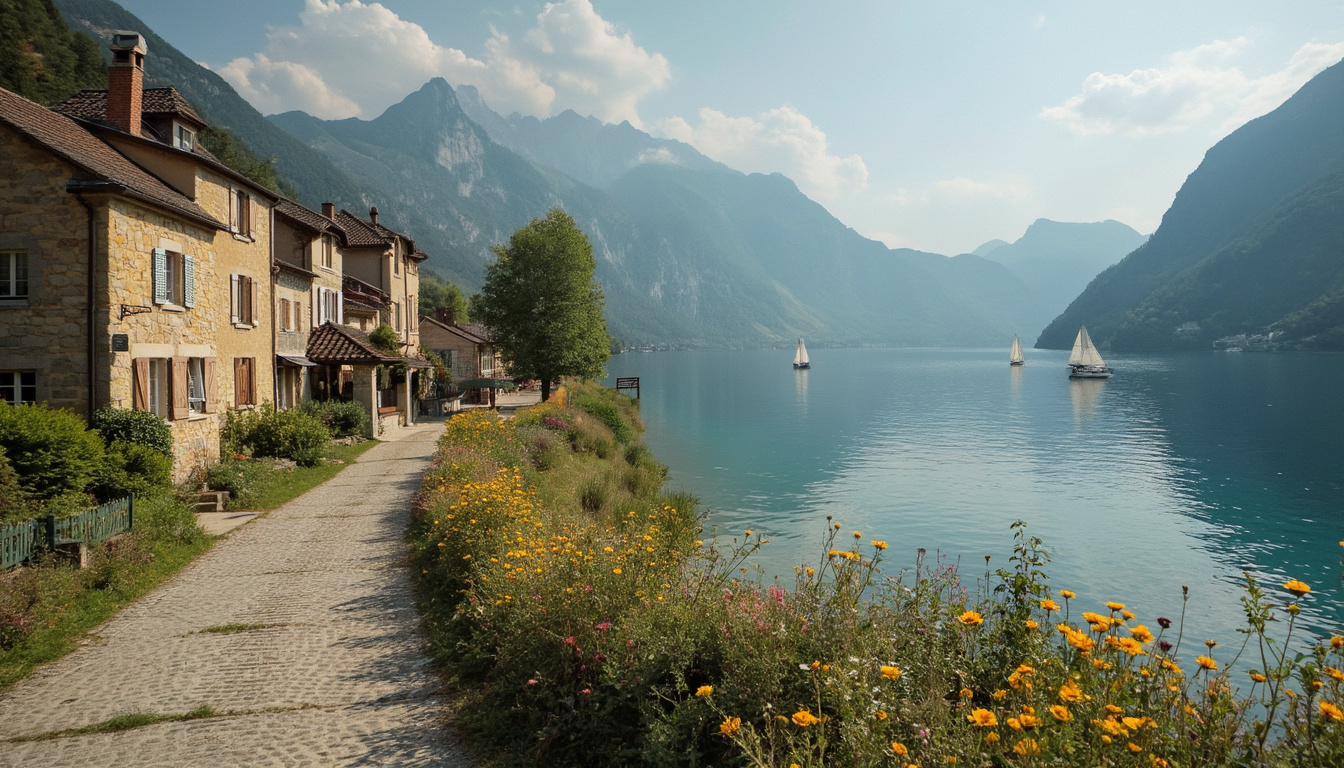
1252, 245
41, 58
585, 148
215, 100
1056, 261
986, 248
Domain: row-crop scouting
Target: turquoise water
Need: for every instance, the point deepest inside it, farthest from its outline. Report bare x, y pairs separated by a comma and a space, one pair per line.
1180, 470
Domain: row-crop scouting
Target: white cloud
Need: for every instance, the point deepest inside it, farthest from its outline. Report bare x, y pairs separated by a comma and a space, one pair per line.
355, 59
963, 190
782, 140
1196, 84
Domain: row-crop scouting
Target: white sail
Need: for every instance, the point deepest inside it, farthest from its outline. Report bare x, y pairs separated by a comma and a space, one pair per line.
1015, 356
800, 357
1083, 351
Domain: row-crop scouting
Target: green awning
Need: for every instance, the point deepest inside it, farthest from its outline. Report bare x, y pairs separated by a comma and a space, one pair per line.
485, 384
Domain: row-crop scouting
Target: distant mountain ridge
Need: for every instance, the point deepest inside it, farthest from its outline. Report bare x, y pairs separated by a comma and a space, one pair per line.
1251, 247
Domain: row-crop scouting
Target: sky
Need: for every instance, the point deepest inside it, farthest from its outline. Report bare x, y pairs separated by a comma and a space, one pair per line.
931, 125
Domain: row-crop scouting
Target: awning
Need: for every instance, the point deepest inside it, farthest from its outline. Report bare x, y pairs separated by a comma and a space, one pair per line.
485, 384
295, 361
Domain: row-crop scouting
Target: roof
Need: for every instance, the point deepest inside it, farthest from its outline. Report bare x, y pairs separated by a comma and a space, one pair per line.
456, 329
294, 268
477, 328
360, 233
305, 217
92, 105
331, 343
102, 168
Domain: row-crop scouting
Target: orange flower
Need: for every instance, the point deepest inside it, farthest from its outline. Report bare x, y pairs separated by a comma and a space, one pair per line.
1027, 748
1061, 713
704, 691
729, 726
971, 619
1257, 677
983, 718
899, 748
1331, 712
1069, 692
1206, 663
1298, 588
890, 673
1067, 594
1114, 606
803, 718
1049, 605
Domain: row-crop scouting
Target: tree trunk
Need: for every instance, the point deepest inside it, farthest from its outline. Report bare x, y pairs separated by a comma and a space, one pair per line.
545, 389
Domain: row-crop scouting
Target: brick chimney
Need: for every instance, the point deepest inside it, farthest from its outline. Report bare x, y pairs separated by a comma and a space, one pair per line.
444, 315
329, 210
373, 215
126, 81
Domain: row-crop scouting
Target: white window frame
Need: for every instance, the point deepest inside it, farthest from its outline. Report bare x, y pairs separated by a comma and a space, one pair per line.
178, 288
328, 248
15, 390
15, 284
183, 137
160, 395
196, 385
327, 307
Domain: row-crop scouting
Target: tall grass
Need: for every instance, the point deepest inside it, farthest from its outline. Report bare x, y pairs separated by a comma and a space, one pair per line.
609, 635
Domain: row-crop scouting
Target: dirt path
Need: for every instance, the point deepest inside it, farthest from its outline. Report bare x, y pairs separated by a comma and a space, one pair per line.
334, 674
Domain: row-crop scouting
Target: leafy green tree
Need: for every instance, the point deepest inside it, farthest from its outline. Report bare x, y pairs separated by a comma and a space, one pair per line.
43, 59
385, 339
231, 151
436, 294
543, 308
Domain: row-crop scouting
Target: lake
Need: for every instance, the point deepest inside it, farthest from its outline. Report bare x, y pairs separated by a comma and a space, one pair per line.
1183, 469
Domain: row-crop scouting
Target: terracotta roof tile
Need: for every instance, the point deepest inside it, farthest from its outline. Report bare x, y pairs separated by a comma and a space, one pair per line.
98, 161
92, 105
332, 344
456, 329
360, 233
305, 216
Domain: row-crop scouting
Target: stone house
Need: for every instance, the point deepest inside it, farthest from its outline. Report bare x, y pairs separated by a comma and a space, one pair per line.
136, 266
365, 375
381, 278
308, 258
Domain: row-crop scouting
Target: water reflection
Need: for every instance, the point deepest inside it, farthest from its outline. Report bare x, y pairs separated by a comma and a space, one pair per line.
1015, 379
800, 388
1085, 394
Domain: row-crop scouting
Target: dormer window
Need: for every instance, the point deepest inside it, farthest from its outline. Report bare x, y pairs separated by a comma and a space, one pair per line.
183, 137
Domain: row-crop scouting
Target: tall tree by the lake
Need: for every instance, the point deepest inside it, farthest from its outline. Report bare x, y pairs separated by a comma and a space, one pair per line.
542, 305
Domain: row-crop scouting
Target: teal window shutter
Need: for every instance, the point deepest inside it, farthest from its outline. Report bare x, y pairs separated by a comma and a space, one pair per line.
160, 276
188, 280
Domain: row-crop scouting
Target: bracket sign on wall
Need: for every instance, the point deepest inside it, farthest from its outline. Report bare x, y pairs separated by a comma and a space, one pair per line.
131, 309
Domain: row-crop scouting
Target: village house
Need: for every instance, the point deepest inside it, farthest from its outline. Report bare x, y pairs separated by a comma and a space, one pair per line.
308, 258
136, 268
381, 278
465, 350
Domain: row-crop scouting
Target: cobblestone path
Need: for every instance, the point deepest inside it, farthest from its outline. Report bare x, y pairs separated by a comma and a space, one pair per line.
336, 676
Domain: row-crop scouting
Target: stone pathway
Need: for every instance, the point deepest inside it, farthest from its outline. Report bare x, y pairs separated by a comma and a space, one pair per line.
337, 675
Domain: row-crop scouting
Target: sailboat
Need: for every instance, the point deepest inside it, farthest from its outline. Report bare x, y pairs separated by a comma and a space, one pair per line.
1085, 362
800, 357
1015, 356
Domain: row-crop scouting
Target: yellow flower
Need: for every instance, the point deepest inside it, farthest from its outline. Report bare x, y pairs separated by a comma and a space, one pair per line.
983, 718
891, 673
1069, 692
966, 693
1067, 594
1027, 748
1335, 673
999, 694
616, 571
858, 535
1135, 723
803, 718
1031, 624
729, 726
879, 544
881, 714
1206, 663
1134, 748
1029, 720
703, 691
1331, 711
1337, 642
991, 738
1061, 713
971, 619
1131, 646
1142, 634
1014, 723
1158, 762
1297, 587
1257, 677
1049, 605
1128, 615
1114, 606
748, 532
899, 748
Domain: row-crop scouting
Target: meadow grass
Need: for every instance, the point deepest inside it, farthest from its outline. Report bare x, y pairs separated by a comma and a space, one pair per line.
608, 634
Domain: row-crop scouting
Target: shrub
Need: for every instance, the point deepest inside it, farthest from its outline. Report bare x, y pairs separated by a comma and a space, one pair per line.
293, 435
608, 412
385, 339
132, 468
14, 502
138, 427
52, 451
239, 477
342, 417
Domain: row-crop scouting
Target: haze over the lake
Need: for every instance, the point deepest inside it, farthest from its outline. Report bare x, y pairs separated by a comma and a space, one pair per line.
930, 125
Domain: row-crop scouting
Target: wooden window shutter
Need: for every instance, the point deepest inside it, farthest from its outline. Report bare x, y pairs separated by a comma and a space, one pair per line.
208, 374
160, 276
284, 314
188, 280
242, 381
252, 302
140, 384
177, 384
233, 210
235, 298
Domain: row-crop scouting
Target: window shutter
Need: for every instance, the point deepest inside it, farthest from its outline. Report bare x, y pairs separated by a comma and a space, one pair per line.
160, 276
140, 384
340, 306
177, 385
235, 298
208, 374
251, 381
240, 381
317, 303
188, 280
252, 300
233, 210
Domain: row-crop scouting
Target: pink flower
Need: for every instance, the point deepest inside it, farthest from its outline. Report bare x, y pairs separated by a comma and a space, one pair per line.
532, 681
586, 690
604, 626
569, 641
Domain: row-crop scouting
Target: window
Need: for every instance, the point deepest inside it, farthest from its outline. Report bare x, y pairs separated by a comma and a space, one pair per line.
13, 275
286, 316
183, 137
174, 387
244, 381
413, 313
18, 387
327, 304
240, 213
174, 278
289, 394
396, 316
328, 251
243, 300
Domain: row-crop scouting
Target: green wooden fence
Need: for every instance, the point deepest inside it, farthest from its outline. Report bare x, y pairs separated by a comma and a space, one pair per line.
19, 541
